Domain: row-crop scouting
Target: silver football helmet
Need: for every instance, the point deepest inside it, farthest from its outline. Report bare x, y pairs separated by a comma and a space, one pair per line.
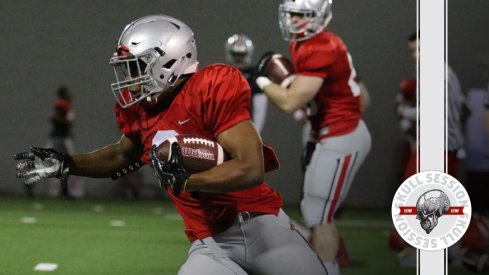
239, 50
151, 54
302, 19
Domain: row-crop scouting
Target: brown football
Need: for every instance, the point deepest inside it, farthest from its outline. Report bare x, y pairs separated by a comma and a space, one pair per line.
198, 153
280, 70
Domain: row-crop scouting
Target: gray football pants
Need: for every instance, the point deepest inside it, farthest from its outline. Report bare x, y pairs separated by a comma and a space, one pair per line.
263, 245
330, 174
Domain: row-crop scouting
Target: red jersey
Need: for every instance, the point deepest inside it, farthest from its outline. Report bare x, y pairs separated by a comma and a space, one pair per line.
214, 99
63, 106
63, 110
337, 101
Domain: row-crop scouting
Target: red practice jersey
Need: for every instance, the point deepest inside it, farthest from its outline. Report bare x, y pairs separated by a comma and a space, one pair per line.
214, 99
63, 107
337, 101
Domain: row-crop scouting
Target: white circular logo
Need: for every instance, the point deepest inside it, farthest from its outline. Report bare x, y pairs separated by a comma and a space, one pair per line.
431, 210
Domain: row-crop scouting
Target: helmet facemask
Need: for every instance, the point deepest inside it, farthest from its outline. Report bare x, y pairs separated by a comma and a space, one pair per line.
133, 82
312, 19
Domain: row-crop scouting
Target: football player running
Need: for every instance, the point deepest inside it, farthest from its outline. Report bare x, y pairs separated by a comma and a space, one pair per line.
232, 218
325, 76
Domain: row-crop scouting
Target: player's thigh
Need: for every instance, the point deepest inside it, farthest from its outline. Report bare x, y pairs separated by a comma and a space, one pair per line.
198, 264
280, 249
321, 172
331, 172
334, 160
326, 183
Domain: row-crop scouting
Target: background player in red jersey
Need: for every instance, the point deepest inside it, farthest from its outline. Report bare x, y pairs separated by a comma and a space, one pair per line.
232, 218
325, 76
60, 137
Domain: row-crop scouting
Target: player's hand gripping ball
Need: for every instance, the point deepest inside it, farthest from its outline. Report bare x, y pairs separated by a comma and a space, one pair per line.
178, 157
198, 153
277, 68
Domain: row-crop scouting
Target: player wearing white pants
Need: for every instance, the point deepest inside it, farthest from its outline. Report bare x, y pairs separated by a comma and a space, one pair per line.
325, 79
330, 173
328, 178
264, 244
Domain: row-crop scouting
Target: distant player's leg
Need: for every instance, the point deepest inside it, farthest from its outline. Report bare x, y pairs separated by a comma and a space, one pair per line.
326, 184
343, 257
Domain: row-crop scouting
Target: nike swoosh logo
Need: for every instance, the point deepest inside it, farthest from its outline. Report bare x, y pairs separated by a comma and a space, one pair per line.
135, 43
181, 122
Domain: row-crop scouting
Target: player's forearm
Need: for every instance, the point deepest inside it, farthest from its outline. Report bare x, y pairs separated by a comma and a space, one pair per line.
281, 98
230, 176
101, 163
364, 97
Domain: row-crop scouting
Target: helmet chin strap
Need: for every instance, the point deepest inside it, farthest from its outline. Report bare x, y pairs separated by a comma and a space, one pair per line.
154, 98
150, 99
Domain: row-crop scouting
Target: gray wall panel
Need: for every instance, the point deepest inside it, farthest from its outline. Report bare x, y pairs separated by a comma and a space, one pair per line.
70, 42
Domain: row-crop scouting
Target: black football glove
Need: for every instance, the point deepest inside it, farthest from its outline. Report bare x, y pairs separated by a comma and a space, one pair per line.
173, 173
41, 163
262, 63
307, 152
